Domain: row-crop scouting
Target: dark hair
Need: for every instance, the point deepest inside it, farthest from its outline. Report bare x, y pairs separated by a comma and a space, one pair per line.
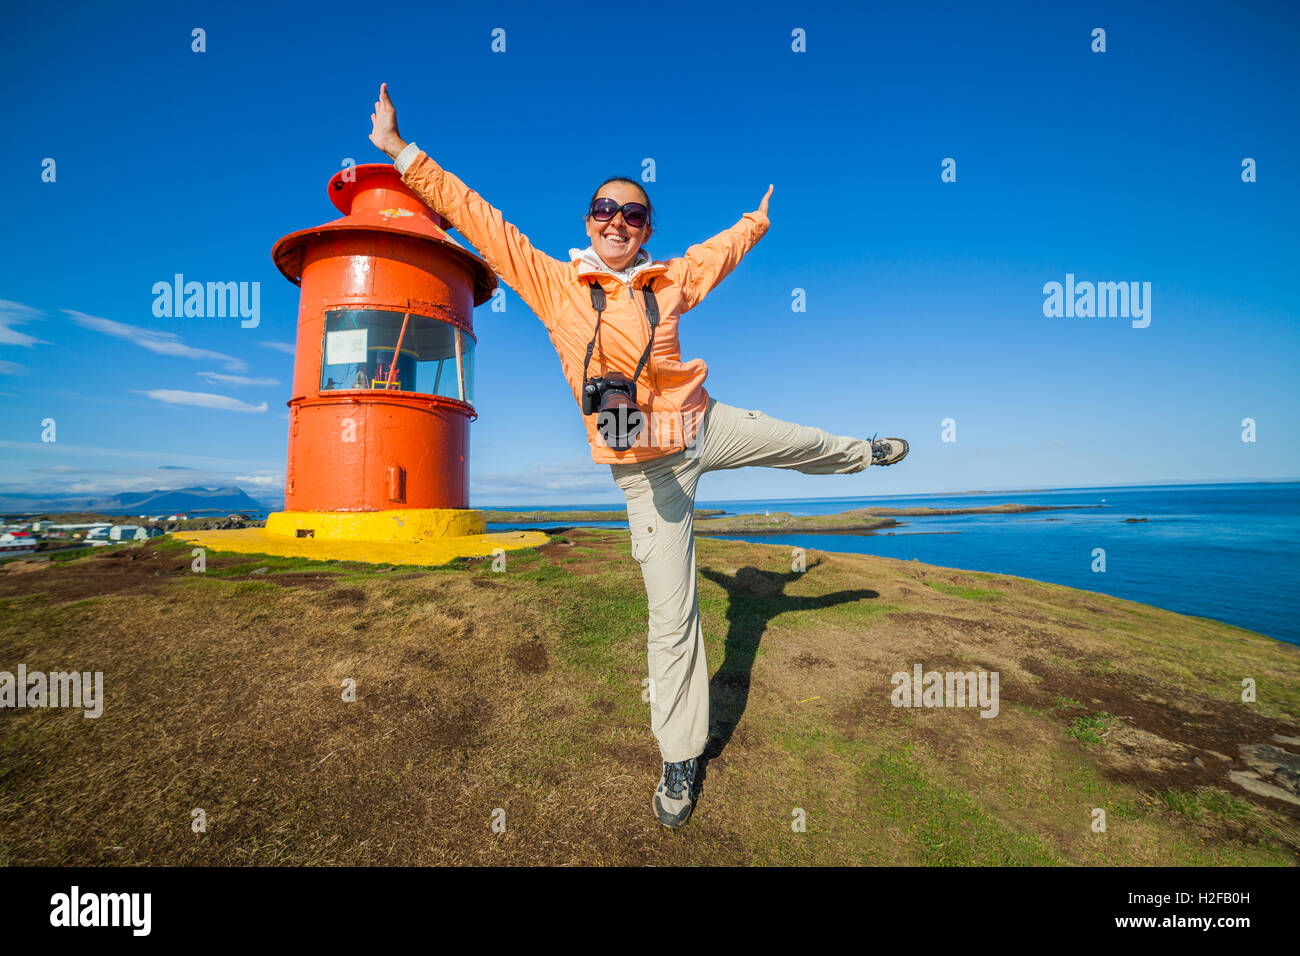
631, 182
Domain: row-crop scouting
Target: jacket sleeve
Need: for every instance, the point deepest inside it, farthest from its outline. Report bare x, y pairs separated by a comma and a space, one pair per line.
536, 277
709, 262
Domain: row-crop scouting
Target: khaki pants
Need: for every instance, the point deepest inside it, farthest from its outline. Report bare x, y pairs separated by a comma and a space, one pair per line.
661, 518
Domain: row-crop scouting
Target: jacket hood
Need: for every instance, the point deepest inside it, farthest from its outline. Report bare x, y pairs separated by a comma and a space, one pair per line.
589, 262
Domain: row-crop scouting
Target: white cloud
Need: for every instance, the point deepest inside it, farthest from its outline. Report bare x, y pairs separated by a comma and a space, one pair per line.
286, 347
571, 479
64, 449
155, 340
12, 368
223, 403
91, 481
237, 379
259, 482
15, 313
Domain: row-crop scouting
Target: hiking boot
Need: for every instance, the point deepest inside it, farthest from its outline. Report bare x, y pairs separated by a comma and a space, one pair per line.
887, 451
676, 792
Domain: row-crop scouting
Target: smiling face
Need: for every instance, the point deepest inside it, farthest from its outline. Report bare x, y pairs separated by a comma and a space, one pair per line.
614, 240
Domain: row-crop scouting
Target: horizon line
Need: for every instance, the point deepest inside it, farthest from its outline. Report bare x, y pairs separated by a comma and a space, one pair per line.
1009, 491
914, 494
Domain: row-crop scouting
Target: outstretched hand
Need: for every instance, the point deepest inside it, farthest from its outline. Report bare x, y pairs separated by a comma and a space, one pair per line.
762, 207
384, 125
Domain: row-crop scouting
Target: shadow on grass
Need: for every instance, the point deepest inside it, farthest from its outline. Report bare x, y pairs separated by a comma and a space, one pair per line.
754, 598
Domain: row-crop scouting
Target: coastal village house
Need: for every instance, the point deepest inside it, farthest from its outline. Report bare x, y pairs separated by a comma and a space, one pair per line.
131, 532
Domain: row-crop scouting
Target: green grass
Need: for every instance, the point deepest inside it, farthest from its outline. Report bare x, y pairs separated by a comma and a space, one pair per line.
969, 593
1127, 811
942, 825
60, 556
1089, 730
272, 564
1202, 801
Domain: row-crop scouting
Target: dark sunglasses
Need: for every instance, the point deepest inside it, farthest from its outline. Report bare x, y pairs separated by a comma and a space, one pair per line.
634, 213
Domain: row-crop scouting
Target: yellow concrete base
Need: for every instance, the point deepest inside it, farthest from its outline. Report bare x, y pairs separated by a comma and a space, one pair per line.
431, 551
427, 536
400, 524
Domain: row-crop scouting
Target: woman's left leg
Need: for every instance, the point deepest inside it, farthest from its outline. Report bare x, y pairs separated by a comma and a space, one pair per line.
737, 437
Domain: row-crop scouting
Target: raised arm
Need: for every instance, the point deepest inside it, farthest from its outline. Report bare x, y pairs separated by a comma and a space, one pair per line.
706, 264
535, 276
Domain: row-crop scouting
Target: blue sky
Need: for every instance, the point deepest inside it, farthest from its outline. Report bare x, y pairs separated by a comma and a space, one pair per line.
924, 298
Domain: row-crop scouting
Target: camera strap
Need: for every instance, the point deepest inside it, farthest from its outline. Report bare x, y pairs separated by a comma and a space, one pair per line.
652, 313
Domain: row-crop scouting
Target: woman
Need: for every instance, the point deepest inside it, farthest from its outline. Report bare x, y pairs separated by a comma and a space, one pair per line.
659, 434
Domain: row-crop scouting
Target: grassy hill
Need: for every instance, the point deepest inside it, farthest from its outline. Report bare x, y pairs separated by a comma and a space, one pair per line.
522, 690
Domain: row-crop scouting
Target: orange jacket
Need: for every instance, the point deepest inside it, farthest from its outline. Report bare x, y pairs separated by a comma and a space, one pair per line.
669, 390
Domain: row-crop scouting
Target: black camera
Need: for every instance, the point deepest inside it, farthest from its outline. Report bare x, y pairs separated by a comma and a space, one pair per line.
612, 399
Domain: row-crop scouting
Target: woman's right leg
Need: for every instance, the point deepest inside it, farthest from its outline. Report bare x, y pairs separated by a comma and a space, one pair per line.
661, 518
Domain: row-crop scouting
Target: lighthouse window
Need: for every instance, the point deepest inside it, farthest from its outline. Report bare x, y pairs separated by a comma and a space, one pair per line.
467, 362
396, 351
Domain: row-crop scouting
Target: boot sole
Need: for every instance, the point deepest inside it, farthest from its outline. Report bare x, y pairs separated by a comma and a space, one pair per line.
894, 461
654, 806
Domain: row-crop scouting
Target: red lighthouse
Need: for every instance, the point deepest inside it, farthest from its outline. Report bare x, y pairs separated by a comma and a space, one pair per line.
383, 382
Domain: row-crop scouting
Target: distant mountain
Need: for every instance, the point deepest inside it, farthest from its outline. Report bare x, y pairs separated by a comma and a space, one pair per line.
157, 502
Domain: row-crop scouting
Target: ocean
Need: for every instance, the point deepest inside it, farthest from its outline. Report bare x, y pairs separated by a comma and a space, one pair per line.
1225, 551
